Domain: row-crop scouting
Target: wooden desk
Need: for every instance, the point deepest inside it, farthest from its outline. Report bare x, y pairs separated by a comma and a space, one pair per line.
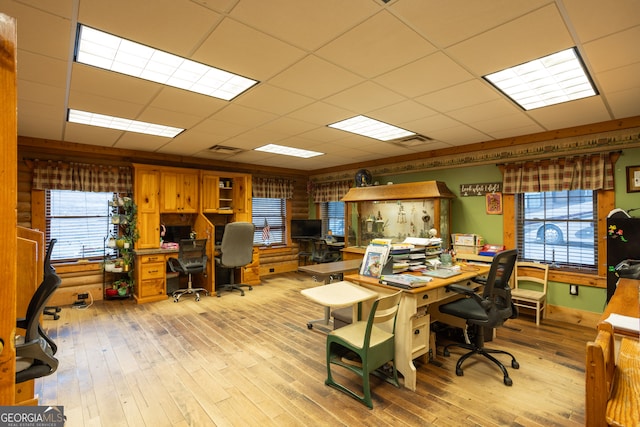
625, 302
324, 272
418, 308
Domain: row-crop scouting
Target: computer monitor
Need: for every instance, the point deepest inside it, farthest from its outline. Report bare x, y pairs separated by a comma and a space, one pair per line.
306, 228
218, 233
175, 233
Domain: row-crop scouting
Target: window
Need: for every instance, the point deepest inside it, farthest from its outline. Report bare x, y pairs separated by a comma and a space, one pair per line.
272, 212
332, 215
80, 222
559, 228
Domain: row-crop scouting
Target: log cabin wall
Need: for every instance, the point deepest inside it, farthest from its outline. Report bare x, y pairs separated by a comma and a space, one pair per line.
87, 277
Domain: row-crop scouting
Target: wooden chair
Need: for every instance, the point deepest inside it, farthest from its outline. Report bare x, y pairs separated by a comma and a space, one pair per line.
373, 341
611, 397
532, 274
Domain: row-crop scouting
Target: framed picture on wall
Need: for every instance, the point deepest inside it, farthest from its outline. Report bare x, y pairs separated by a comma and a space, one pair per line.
633, 179
494, 203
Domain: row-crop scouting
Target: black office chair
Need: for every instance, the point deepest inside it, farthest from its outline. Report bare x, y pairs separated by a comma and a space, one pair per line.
236, 251
48, 269
192, 259
490, 310
35, 350
321, 252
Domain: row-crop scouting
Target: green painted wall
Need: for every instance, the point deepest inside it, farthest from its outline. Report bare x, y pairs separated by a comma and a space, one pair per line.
469, 216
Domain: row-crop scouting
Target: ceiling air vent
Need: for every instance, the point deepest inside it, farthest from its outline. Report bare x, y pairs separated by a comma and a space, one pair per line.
416, 140
224, 150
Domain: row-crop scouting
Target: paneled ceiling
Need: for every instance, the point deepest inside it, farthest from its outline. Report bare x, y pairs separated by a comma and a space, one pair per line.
417, 64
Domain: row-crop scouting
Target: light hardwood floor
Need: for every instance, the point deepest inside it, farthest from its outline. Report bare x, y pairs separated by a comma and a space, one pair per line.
245, 361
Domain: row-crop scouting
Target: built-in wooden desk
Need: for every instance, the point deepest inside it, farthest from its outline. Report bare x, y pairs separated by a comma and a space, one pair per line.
418, 308
624, 302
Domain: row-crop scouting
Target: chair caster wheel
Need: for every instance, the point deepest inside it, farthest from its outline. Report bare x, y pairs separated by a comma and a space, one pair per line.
515, 364
459, 372
250, 288
197, 299
309, 325
508, 381
446, 353
175, 300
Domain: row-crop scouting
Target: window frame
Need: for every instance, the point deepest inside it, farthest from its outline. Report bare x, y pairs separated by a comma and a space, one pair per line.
325, 211
563, 211
606, 202
108, 229
279, 225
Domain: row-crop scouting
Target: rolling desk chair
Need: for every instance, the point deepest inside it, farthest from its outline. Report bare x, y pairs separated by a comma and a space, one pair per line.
490, 310
35, 350
236, 251
48, 269
192, 259
321, 252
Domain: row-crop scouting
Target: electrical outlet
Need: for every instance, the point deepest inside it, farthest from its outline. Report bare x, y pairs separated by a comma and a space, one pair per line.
83, 296
573, 289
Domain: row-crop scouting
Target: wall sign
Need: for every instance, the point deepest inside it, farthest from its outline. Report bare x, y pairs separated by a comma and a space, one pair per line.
480, 189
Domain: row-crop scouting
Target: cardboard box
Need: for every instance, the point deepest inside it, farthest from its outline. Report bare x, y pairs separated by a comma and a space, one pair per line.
467, 239
467, 249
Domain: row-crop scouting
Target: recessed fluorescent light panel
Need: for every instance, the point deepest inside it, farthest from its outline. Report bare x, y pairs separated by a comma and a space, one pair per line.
554, 79
365, 126
93, 119
113, 53
288, 151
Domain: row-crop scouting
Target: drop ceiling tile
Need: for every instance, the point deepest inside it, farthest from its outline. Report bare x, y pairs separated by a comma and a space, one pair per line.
140, 141
425, 75
262, 55
316, 78
52, 37
624, 103
486, 111
41, 93
365, 97
219, 130
195, 104
305, 24
168, 118
445, 23
43, 69
459, 96
619, 79
612, 51
244, 116
40, 121
507, 124
101, 105
288, 126
402, 112
188, 143
593, 19
269, 98
91, 135
574, 113
175, 26
514, 43
90, 80
378, 45
320, 113
459, 135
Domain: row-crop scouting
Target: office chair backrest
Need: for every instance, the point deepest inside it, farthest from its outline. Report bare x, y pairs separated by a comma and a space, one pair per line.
237, 244
48, 268
497, 292
193, 252
49, 284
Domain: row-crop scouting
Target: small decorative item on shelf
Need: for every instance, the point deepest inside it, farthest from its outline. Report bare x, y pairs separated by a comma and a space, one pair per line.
123, 213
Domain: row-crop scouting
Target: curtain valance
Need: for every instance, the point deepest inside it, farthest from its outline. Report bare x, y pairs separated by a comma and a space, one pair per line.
589, 172
330, 191
58, 175
272, 188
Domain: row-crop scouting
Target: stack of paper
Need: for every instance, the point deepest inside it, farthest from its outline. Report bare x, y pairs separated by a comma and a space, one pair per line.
624, 323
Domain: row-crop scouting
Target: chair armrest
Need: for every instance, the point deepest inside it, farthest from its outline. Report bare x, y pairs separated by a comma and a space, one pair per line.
459, 289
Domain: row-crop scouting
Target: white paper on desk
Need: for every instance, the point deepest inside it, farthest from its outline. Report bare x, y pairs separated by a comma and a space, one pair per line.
631, 324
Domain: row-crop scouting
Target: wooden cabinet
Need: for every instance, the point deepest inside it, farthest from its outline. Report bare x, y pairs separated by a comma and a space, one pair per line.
179, 191
226, 194
150, 278
396, 211
250, 274
146, 196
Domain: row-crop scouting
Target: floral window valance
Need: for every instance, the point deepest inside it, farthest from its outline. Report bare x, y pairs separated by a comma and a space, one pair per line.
330, 191
590, 172
58, 175
272, 188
